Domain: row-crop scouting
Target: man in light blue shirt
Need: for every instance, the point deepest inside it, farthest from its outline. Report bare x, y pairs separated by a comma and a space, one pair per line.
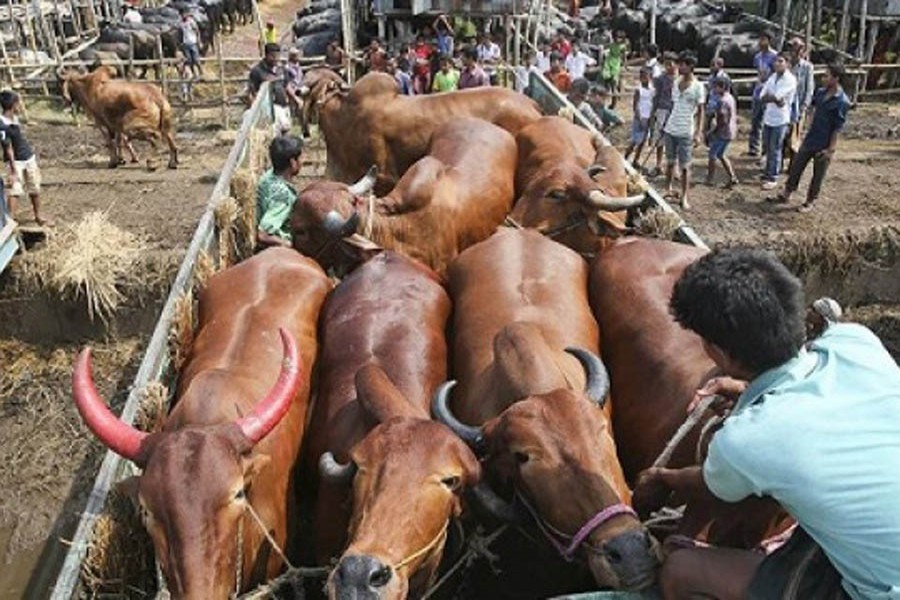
815, 427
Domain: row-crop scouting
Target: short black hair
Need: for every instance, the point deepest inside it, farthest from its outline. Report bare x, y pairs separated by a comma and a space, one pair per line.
652, 50
471, 53
689, 58
837, 70
8, 99
282, 149
746, 302
669, 55
765, 34
580, 86
271, 49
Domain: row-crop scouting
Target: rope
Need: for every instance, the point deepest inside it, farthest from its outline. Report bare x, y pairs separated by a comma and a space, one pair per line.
683, 431
477, 547
265, 531
441, 536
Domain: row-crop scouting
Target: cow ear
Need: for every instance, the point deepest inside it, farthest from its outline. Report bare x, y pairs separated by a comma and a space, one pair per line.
380, 398
595, 170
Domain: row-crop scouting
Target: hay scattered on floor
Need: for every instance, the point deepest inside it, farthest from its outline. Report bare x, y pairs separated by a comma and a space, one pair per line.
884, 320
119, 561
836, 253
658, 223
91, 258
53, 455
226, 213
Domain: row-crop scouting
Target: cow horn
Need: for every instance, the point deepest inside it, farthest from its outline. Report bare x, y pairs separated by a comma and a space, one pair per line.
599, 200
597, 386
366, 183
334, 471
494, 505
338, 226
270, 410
344, 86
121, 438
441, 410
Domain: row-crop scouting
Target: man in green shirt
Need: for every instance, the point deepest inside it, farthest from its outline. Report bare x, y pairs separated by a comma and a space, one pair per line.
275, 196
447, 79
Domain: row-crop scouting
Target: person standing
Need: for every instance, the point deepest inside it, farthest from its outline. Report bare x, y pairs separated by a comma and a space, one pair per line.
806, 84
190, 42
578, 61
642, 106
542, 58
611, 72
765, 56
334, 55
831, 105
756, 113
716, 70
489, 56
724, 130
293, 79
651, 60
270, 35
422, 69
24, 173
684, 126
598, 98
472, 74
401, 70
447, 79
662, 105
777, 97
375, 57
578, 97
557, 75
443, 33
275, 195
269, 69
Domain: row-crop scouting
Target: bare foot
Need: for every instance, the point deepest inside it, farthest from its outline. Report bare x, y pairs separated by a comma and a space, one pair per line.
44, 222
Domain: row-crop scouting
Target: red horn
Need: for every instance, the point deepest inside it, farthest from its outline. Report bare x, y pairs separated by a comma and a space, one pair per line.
122, 439
270, 410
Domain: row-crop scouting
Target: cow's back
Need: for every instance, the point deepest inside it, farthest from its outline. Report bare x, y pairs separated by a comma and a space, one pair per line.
547, 142
655, 365
516, 276
390, 312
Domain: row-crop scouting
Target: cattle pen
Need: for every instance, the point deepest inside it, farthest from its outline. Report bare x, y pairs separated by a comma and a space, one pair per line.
109, 527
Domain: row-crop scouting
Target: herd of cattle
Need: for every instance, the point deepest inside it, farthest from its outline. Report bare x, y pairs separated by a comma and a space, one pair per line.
460, 371
116, 40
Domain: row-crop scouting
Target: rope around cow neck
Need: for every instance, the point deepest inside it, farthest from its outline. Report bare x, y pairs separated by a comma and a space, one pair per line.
438, 539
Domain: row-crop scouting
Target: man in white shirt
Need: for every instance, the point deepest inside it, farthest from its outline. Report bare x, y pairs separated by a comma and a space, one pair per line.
683, 127
523, 71
777, 97
578, 61
542, 58
130, 15
651, 61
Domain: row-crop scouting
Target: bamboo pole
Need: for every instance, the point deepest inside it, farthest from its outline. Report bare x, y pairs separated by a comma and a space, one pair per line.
223, 93
130, 74
861, 41
844, 32
9, 71
163, 81
817, 18
785, 15
261, 41
810, 10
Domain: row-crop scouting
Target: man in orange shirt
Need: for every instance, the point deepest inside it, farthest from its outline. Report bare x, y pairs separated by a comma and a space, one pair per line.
557, 75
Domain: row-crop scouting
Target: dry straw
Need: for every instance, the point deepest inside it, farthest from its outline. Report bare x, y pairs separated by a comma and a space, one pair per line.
658, 223
91, 258
181, 334
226, 213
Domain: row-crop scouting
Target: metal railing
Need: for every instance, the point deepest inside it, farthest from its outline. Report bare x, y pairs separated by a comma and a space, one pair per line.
155, 365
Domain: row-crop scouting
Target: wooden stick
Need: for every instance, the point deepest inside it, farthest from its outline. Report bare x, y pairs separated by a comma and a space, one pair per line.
218, 43
844, 31
130, 57
162, 65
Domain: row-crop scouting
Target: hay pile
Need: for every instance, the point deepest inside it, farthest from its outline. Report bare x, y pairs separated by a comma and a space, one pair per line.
91, 258
50, 457
657, 223
836, 253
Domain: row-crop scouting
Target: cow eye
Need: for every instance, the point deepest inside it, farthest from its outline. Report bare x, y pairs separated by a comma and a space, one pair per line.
240, 494
521, 457
557, 195
451, 483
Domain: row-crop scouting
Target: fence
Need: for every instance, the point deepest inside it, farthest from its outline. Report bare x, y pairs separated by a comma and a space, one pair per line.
212, 238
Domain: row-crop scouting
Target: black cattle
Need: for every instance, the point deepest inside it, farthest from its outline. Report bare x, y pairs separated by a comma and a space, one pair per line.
315, 44
633, 22
327, 20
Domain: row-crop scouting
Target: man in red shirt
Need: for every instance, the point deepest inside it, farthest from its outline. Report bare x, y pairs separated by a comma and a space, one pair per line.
422, 71
557, 75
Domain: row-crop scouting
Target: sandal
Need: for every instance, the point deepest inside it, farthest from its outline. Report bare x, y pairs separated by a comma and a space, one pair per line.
806, 207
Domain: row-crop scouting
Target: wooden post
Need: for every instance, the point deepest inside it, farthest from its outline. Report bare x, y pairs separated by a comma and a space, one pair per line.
6, 63
870, 50
261, 42
844, 32
218, 42
810, 8
130, 57
785, 13
163, 80
817, 18
76, 18
653, 22
863, 17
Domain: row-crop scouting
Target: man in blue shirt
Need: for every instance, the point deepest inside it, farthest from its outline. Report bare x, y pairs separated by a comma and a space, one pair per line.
765, 58
831, 105
815, 427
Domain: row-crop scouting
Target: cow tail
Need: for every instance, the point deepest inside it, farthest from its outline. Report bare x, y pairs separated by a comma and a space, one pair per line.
166, 116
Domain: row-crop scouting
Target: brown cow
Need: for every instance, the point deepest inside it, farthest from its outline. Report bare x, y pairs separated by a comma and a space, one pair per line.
520, 300
229, 445
383, 353
374, 124
123, 110
655, 368
569, 186
452, 198
316, 83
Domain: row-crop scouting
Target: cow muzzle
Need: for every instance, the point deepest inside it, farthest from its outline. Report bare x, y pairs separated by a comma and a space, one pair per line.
363, 577
628, 561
